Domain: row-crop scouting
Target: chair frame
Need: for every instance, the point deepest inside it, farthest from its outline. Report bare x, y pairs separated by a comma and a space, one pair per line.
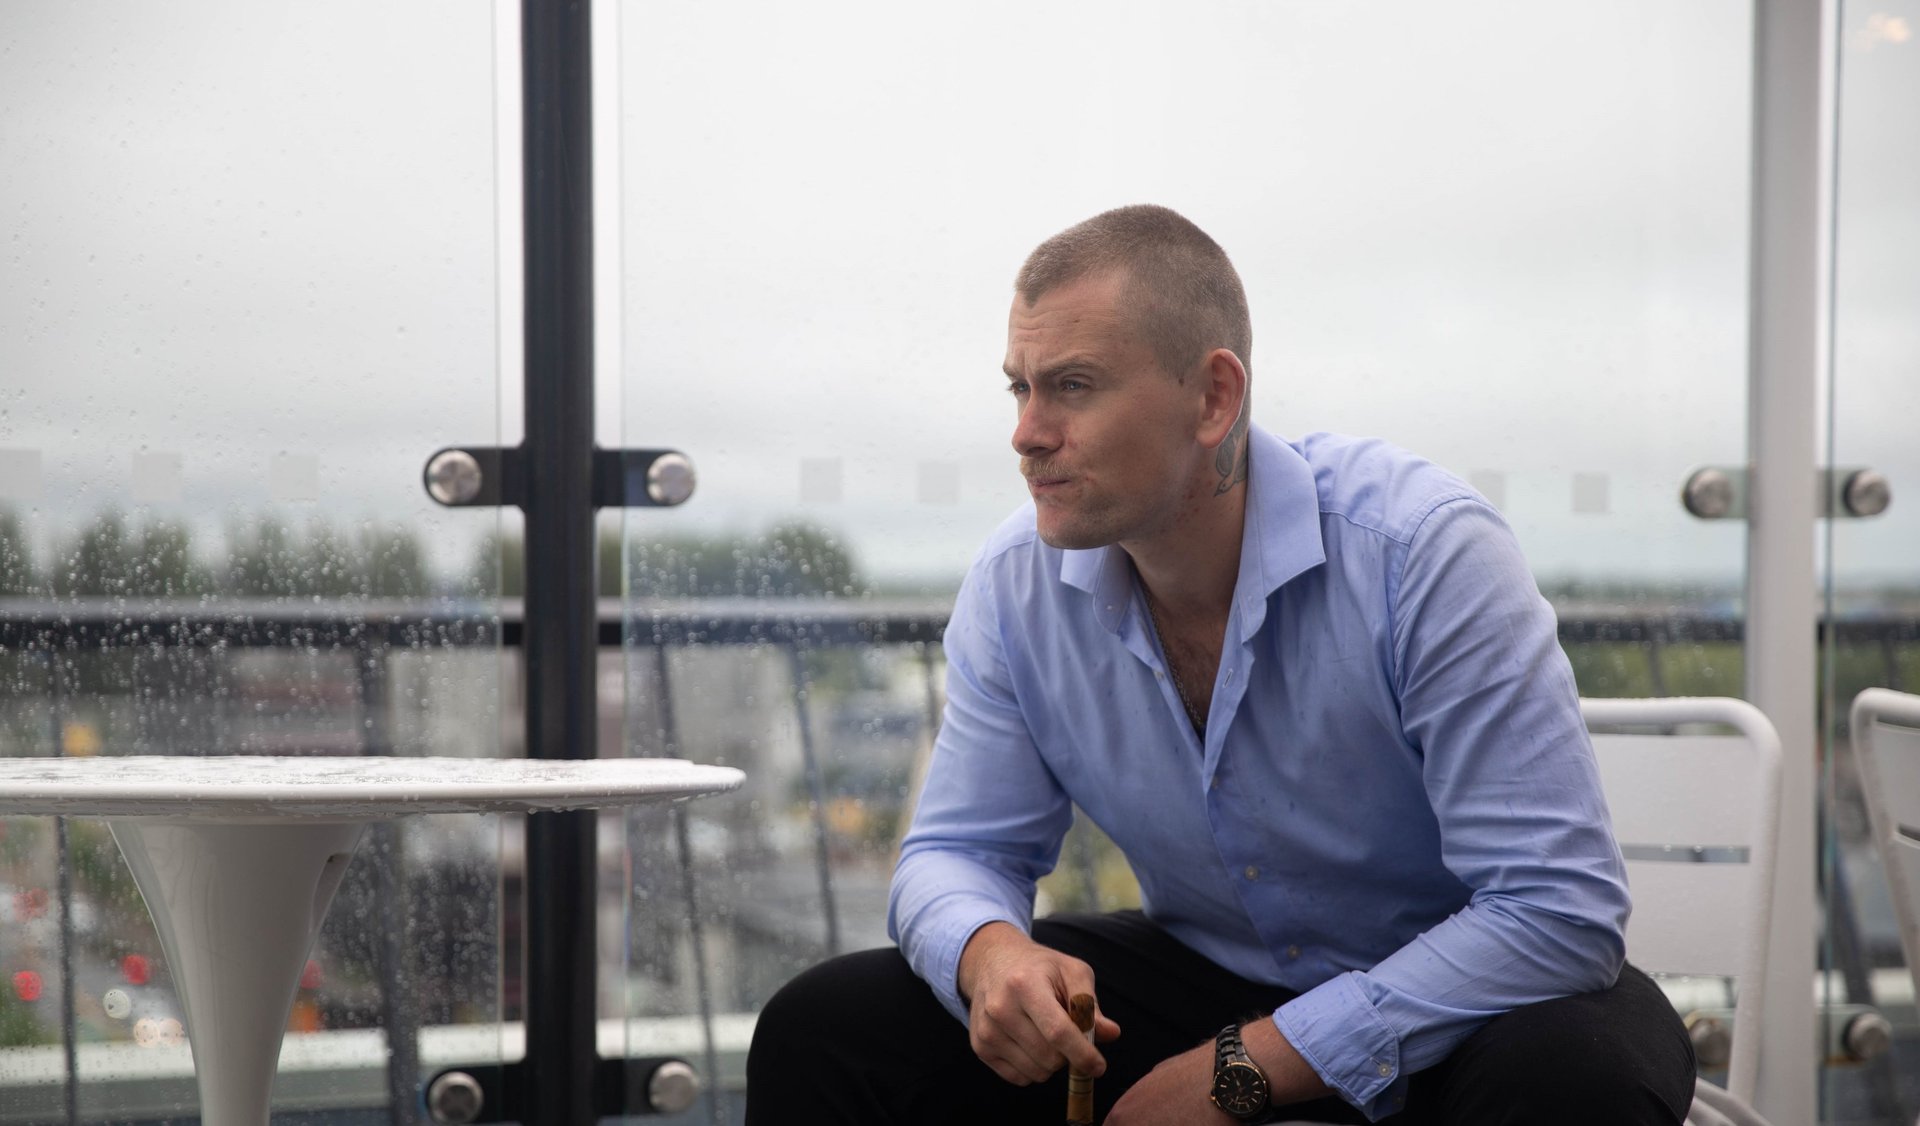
1901, 709
1758, 731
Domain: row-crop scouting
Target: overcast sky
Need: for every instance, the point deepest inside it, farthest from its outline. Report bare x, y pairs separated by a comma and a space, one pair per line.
261, 243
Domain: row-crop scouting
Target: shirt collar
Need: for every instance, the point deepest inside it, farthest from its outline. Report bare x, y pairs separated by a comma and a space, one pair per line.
1282, 537
1107, 574
1281, 540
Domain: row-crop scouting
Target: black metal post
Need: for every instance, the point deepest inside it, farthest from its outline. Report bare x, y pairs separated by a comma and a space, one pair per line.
816, 796
931, 680
63, 884
689, 887
69, 1051
399, 1012
561, 634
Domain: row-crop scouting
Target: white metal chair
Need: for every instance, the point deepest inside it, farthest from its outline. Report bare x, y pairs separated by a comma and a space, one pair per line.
1715, 1107
1886, 745
1697, 816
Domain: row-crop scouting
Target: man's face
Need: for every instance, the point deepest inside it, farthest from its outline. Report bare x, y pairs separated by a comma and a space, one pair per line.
1106, 436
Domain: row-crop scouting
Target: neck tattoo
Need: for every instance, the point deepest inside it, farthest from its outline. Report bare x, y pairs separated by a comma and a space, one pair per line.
1194, 715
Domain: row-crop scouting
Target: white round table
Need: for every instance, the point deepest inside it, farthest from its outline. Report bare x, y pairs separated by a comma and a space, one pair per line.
238, 859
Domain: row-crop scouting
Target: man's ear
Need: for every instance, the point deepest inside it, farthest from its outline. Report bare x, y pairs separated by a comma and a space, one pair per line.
1224, 382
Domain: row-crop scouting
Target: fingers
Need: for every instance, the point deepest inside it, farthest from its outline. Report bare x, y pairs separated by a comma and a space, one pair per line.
1012, 1030
1019, 1024
1061, 1038
1011, 1060
1072, 1042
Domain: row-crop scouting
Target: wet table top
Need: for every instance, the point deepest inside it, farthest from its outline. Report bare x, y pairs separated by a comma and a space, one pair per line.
260, 786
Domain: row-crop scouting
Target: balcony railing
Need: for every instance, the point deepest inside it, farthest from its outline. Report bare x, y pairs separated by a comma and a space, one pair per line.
1616, 649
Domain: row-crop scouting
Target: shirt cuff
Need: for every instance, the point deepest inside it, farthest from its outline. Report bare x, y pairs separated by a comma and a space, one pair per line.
945, 978
1347, 1043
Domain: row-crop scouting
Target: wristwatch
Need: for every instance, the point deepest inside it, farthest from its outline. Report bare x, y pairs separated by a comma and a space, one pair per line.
1239, 1086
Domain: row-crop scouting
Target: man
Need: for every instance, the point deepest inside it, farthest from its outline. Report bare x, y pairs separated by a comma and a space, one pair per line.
1312, 693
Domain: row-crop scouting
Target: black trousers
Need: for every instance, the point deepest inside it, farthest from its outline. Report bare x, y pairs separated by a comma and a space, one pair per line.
861, 1040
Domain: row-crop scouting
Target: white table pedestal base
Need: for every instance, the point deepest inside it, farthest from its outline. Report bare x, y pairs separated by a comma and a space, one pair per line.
239, 857
238, 906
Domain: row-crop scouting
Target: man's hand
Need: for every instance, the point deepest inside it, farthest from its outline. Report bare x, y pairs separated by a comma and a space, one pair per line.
1017, 992
1174, 1093
1177, 1089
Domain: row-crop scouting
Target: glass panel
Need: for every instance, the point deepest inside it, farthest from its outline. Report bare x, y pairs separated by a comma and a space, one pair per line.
1872, 566
1518, 247
247, 285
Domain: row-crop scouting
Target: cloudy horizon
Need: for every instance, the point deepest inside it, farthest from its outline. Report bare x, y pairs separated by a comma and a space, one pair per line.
256, 261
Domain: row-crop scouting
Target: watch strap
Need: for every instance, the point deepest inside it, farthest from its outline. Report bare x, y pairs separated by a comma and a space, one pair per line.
1226, 1045
1229, 1048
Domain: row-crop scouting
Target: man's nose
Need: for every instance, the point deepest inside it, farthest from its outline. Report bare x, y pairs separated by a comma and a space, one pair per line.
1037, 433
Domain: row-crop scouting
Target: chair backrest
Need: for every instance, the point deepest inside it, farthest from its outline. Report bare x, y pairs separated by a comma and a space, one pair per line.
1886, 745
1697, 816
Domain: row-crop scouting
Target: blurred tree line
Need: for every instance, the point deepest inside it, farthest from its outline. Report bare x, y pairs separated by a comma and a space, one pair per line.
113, 557
790, 560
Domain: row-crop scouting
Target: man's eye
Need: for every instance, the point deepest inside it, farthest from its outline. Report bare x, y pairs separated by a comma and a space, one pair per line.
1016, 388
1072, 385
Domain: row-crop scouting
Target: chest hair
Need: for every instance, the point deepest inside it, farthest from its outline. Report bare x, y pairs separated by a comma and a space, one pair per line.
1193, 656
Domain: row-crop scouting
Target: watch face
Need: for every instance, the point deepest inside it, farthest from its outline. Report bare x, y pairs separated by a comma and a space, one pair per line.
1240, 1090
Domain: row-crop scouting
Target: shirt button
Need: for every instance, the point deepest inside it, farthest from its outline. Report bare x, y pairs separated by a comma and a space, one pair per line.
1293, 951
1385, 1071
1229, 676
1158, 675
1252, 872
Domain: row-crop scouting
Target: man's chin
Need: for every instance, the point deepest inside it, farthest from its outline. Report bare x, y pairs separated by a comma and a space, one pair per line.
1069, 538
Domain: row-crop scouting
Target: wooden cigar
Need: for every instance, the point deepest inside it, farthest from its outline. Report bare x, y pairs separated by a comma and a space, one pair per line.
1080, 1087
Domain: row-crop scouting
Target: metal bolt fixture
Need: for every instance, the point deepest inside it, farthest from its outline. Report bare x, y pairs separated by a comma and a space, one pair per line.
1867, 492
1712, 1039
1866, 1035
453, 477
672, 1087
1708, 494
670, 479
455, 1097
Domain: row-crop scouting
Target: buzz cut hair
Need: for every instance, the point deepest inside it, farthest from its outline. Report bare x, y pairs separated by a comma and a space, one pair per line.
1181, 290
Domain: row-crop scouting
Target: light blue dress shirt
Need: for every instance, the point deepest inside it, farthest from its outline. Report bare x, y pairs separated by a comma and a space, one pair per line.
1395, 810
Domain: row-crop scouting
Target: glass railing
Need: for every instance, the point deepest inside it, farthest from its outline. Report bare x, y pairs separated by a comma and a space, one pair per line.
830, 706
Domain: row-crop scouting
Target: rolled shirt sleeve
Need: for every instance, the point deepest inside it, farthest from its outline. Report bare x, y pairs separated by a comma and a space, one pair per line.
1487, 698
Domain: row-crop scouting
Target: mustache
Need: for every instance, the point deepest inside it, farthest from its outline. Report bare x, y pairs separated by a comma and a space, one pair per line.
1042, 470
